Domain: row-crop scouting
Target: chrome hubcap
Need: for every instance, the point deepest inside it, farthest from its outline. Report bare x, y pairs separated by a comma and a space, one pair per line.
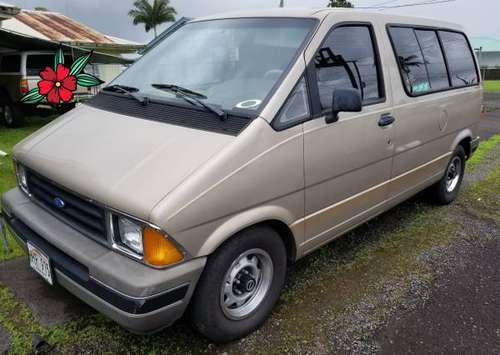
453, 174
246, 284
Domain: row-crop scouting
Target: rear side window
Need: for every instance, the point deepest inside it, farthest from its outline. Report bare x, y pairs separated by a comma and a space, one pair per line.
35, 63
434, 59
410, 60
460, 59
429, 62
10, 64
347, 59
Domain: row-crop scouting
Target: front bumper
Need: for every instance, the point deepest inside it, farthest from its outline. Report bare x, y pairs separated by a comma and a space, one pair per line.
139, 298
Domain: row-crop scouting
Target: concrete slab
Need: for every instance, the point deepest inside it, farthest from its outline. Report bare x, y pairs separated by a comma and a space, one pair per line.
51, 304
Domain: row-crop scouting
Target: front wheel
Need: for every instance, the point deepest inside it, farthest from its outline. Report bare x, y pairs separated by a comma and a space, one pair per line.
446, 190
240, 285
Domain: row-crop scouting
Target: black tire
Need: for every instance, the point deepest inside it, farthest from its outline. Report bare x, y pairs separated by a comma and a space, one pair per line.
206, 310
444, 193
12, 116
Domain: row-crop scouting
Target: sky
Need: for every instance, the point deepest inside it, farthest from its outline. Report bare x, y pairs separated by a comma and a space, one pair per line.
111, 16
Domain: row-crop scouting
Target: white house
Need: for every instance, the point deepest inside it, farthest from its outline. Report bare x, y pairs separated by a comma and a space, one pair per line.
488, 53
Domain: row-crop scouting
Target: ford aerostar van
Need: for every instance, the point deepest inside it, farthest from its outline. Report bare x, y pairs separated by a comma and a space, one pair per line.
238, 145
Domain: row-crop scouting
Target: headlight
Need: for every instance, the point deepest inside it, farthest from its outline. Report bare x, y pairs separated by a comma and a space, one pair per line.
21, 177
130, 234
154, 246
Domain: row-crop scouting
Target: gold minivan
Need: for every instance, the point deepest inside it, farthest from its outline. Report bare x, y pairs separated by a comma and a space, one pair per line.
237, 145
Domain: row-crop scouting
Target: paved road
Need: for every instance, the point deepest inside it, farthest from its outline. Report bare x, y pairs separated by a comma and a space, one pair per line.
462, 313
490, 124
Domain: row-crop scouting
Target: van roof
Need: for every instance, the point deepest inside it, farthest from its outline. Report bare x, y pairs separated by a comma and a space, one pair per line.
321, 13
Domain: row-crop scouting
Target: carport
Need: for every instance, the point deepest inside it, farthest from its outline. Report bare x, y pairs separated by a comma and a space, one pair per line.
13, 41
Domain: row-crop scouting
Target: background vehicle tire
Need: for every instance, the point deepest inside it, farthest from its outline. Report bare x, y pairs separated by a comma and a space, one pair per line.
240, 285
12, 116
446, 190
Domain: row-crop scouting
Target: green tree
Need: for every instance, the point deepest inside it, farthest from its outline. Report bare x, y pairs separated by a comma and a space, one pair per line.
340, 3
152, 15
41, 8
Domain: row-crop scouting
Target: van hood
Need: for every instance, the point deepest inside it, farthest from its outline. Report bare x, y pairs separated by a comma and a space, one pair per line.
123, 162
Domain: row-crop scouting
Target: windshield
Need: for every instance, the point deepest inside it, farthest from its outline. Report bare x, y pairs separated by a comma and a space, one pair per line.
233, 63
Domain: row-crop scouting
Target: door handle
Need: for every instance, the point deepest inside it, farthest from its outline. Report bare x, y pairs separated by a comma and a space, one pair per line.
386, 120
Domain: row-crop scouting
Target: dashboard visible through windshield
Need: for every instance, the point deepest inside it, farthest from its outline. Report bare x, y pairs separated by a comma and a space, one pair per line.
228, 63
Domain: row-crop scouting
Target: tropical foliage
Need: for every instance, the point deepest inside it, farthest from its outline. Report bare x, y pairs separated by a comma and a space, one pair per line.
340, 3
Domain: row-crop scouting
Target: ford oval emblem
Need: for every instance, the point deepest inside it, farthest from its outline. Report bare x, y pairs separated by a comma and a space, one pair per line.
59, 202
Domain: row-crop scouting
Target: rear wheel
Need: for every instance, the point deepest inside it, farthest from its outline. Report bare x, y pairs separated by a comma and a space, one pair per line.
240, 285
12, 116
446, 190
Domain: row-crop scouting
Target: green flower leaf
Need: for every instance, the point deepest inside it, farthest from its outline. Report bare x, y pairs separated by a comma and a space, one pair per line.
59, 58
79, 64
88, 80
32, 97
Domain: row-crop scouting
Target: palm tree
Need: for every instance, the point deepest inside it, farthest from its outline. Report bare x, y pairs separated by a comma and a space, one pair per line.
152, 15
339, 3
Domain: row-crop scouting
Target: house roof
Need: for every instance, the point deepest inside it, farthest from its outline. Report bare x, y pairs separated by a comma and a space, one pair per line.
57, 27
488, 44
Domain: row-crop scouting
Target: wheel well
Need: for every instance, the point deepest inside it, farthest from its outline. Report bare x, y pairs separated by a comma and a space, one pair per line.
465, 143
286, 235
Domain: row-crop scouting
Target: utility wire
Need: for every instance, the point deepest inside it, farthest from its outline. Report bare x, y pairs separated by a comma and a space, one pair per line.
422, 3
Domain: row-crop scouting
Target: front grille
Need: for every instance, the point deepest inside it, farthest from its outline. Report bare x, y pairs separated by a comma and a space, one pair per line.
83, 215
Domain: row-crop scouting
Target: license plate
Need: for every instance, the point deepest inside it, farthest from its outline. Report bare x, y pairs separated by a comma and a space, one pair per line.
40, 263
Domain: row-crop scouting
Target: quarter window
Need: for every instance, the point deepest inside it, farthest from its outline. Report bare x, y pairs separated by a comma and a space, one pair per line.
347, 59
460, 60
296, 108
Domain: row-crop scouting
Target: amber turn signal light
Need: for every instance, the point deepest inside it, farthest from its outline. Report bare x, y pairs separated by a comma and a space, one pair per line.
158, 249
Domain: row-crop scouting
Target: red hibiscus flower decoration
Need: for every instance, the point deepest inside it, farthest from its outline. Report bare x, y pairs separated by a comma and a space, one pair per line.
57, 86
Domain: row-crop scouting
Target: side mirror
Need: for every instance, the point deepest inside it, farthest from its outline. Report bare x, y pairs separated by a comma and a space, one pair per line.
344, 100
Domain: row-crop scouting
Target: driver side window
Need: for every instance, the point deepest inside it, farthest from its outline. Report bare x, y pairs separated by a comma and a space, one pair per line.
347, 60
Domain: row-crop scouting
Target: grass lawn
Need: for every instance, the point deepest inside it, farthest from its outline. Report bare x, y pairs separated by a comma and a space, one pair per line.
8, 138
492, 86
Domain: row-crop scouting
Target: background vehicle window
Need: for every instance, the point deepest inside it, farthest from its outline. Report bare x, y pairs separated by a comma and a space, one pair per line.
296, 107
434, 59
410, 60
10, 64
460, 60
347, 60
35, 63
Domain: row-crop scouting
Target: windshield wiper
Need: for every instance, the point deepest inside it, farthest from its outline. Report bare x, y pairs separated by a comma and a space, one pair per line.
190, 96
128, 90
176, 88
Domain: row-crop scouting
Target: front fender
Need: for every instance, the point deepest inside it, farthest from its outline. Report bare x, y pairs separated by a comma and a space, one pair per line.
240, 221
